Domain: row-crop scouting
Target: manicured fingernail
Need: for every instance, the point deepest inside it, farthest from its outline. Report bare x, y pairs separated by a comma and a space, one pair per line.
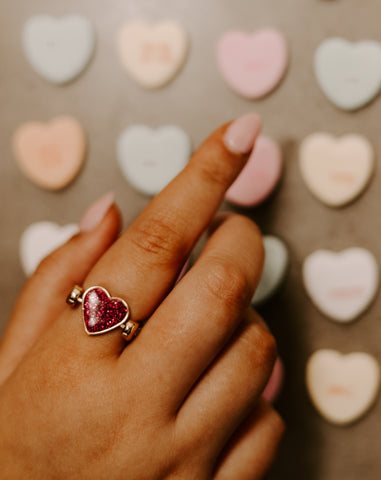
240, 137
96, 212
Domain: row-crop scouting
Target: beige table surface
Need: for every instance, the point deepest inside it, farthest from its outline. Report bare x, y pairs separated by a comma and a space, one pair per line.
106, 101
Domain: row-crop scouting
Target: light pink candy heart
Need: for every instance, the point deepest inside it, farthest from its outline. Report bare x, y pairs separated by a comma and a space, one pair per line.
252, 65
260, 175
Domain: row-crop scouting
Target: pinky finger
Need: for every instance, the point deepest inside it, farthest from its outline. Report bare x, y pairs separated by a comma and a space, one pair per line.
252, 450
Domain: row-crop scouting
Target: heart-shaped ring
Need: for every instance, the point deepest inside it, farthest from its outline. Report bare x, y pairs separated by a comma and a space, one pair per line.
102, 313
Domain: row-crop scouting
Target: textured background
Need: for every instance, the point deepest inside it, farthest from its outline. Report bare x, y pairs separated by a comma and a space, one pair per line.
106, 101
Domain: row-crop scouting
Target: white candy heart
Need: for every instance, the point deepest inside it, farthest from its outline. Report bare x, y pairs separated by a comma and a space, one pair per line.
336, 170
58, 49
152, 54
342, 387
274, 271
150, 159
341, 285
349, 73
40, 239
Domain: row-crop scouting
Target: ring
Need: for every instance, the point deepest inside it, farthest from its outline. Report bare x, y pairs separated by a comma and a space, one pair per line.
102, 313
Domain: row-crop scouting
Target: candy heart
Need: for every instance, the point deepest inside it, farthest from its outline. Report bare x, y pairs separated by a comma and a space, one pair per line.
50, 155
341, 285
152, 54
252, 65
336, 171
342, 387
349, 73
150, 159
183, 271
102, 313
260, 175
274, 385
40, 239
274, 270
58, 49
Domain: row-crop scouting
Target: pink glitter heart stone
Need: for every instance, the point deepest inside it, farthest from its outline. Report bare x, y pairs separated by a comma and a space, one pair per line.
101, 312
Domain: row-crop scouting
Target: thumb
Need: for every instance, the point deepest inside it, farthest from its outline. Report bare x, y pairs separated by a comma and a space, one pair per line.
43, 297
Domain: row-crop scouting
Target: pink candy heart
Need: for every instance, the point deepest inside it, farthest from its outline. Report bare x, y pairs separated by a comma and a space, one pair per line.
275, 382
260, 175
101, 312
252, 65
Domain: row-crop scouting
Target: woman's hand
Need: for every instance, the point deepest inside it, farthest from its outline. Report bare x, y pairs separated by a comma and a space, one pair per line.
182, 401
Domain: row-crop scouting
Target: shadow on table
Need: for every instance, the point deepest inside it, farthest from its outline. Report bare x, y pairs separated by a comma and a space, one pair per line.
301, 451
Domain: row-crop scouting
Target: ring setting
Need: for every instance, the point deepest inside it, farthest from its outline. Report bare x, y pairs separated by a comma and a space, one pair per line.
101, 312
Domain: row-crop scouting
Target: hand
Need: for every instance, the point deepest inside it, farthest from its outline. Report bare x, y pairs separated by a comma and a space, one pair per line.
182, 401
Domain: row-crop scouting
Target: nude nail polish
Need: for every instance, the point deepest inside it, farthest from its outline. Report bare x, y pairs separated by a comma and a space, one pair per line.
96, 212
240, 137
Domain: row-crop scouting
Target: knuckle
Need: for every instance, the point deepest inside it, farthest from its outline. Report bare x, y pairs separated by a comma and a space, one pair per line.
255, 247
160, 239
214, 168
253, 231
255, 234
261, 346
267, 348
276, 428
275, 425
278, 425
226, 282
246, 223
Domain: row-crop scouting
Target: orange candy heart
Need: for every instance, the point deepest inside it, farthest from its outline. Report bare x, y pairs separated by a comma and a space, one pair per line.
50, 155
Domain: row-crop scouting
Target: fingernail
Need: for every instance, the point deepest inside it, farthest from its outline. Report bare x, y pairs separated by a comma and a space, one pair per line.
96, 212
240, 137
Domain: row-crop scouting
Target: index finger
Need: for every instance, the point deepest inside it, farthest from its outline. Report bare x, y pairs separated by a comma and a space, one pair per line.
143, 264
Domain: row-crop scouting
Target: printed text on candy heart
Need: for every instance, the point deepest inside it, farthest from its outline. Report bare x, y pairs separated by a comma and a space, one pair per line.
156, 52
339, 390
346, 292
343, 177
49, 157
149, 162
257, 64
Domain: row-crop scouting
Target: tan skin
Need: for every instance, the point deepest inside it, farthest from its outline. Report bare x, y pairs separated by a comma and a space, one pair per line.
183, 400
